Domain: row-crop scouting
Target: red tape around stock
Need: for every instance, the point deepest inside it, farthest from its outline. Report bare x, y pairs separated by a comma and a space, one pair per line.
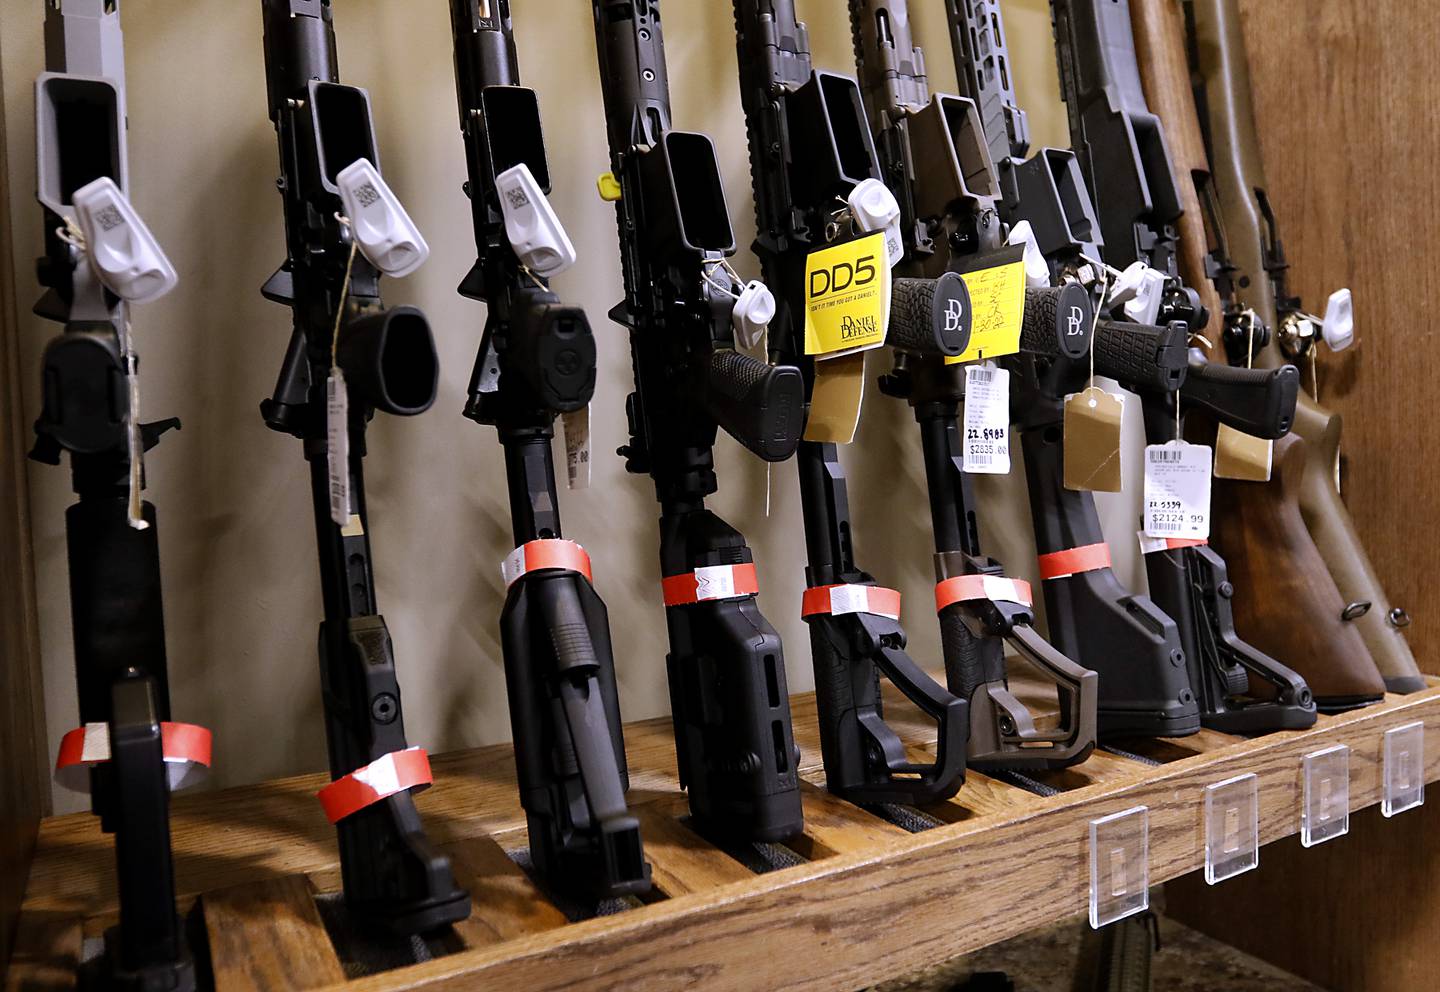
840, 599
185, 747
710, 582
385, 776
965, 588
1071, 561
545, 553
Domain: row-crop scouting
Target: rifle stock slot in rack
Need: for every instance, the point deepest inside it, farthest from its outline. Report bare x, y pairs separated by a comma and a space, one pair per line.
256, 869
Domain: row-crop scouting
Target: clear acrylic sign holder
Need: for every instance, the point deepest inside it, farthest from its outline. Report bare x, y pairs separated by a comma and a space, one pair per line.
1119, 866
1325, 813
1232, 827
1404, 769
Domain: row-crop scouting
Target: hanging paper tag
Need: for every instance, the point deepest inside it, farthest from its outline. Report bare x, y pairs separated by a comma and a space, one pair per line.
1177, 490
835, 399
997, 306
847, 297
987, 420
135, 445
337, 445
1093, 420
576, 425
1242, 456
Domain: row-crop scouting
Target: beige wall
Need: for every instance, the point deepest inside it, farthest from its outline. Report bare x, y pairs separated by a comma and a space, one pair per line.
242, 601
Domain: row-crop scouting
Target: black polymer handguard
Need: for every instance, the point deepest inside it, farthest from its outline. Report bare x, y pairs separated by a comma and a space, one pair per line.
554, 629
735, 746
810, 145
394, 878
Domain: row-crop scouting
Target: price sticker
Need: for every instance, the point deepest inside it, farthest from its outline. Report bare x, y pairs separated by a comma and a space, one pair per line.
987, 420
1177, 490
337, 445
576, 425
997, 307
847, 297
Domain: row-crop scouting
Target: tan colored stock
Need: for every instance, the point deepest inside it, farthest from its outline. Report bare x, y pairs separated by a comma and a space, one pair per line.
1237, 170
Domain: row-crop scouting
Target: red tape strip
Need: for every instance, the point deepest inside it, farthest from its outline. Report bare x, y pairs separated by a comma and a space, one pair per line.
710, 582
549, 552
844, 598
967, 588
383, 777
1087, 558
186, 748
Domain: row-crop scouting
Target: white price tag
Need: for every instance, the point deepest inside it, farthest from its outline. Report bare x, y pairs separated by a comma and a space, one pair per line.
849, 599
337, 445
576, 425
1177, 490
987, 419
714, 582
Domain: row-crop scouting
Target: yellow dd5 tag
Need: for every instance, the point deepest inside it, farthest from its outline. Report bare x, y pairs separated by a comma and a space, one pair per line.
997, 306
847, 297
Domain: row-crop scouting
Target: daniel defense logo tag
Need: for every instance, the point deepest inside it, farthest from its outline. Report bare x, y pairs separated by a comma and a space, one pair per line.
847, 297
997, 303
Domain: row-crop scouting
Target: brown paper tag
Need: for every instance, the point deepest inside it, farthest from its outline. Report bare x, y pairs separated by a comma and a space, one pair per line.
1242, 456
1092, 440
835, 400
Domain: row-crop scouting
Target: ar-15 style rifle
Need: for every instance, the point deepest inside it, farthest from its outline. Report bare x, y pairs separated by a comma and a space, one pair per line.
393, 876
1092, 618
99, 259
1124, 157
1254, 246
733, 737
933, 155
809, 144
536, 361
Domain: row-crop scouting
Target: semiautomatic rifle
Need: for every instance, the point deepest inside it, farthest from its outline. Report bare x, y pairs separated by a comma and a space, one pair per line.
932, 153
537, 361
1124, 157
349, 357
809, 145
1254, 247
733, 737
1092, 617
99, 259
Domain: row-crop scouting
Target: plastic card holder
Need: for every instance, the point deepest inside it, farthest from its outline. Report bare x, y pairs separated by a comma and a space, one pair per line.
1404, 768
1232, 827
1325, 813
1119, 866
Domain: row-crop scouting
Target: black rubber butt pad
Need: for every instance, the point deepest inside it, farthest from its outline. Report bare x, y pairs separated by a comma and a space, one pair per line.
389, 359
759, 405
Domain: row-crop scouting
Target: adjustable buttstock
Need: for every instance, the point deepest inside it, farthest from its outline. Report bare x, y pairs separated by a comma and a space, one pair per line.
1260, 402
389, 359
758, 405
1142, 357
554, 352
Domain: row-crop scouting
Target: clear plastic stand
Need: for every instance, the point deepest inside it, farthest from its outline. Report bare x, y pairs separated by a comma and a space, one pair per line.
1404, 768
1325, 814
1119, 866
1232, 827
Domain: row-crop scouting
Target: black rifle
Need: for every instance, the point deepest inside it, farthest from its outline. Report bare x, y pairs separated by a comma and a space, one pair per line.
733, 736
393, 876
1122, 152
116, 608
537, 360
1092, 618
809, 144
934, 158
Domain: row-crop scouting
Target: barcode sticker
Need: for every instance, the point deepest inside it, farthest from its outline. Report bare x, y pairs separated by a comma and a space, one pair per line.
987, 420
576, 425
337, 445
1177, 490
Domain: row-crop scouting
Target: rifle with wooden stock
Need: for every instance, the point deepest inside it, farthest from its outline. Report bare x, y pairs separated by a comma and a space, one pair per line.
1251, 236
932, 152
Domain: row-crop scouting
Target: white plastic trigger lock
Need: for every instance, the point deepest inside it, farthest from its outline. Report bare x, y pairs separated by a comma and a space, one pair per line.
876, 209
539, 240
1037, 272
122, 251
384, 232
1138, 289
1338, 325
754, 309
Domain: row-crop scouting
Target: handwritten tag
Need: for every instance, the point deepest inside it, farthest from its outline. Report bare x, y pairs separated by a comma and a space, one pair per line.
987, 420
1092, 434
1177, 490
847, 297
997, 306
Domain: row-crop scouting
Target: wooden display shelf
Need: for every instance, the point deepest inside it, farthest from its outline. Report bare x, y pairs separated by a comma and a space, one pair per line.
861, 899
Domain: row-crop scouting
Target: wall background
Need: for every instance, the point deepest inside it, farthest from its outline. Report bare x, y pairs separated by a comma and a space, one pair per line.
241, 594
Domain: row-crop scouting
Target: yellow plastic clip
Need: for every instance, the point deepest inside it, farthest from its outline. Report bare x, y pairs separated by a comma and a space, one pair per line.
608, 186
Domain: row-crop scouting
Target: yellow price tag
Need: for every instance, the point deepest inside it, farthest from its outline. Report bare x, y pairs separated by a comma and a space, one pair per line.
847, 297
997, 306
